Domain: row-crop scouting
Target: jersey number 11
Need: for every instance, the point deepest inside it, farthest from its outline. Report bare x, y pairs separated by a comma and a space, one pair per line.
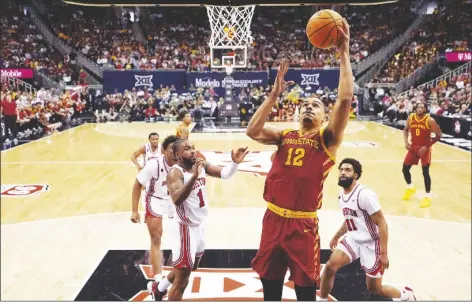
350, 225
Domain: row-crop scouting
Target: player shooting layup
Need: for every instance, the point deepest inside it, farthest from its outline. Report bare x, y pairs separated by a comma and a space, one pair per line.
420, 126
294, 186
150, 150
364, 235
157, 201
186, 183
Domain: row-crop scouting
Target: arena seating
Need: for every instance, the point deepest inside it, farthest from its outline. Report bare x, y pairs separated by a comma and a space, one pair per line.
178, 37
24, 46
45, 111
448, 28
97, 33
448, 98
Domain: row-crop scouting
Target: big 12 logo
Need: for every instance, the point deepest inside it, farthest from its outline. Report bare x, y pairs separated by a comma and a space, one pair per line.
22, 190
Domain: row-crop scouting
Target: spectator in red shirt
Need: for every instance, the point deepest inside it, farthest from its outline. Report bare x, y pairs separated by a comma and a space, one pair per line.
150, 112
83, 77
9, 110
442, 108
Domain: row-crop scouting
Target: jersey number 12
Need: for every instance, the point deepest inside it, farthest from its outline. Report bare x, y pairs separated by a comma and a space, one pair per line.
200, 196
297, 159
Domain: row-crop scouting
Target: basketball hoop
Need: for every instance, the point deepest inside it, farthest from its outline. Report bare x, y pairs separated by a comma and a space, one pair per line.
230, 29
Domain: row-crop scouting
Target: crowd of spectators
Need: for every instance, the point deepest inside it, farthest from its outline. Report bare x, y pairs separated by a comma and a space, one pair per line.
447, 29
177, 37
98, 33
180, 36
451, 98
24, 46
165, 104
371, 28
29, 115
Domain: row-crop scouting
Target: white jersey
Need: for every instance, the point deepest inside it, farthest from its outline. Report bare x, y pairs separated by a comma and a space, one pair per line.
154, 177
149, 154
193, 211
357, 206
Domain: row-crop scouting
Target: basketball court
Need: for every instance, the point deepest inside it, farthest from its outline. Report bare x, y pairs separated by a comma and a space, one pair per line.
72, 214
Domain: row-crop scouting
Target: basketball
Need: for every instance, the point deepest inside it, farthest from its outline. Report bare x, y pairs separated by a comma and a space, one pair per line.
322, 30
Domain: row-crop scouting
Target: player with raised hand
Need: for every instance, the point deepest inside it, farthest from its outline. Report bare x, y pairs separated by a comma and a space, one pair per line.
186, 183
294, 185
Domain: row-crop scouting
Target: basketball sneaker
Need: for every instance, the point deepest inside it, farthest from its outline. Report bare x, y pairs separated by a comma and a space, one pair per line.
407, 294
154, 291
426, 202
408, 193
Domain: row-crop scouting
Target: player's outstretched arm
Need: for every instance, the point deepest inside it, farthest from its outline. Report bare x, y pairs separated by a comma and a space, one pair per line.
342, 108
436, 130
178, 191
229, 170
135, 155
136, 194
379, 220
406, 131
144, 176
369, 203
256, 129
341, 231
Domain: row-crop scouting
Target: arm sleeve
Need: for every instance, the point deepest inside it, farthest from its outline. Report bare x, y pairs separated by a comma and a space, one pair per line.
229, 170
146, 173
368, 201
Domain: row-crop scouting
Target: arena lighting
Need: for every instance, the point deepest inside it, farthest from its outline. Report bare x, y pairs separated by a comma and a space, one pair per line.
223, 2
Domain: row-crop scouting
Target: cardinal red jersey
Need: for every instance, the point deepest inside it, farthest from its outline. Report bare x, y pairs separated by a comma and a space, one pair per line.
420, 131
299, 169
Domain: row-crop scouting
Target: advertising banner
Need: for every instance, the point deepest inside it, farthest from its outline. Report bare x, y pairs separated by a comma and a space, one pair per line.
310, 77
121, 80
217, 80
129, 79
458, 56
20, 73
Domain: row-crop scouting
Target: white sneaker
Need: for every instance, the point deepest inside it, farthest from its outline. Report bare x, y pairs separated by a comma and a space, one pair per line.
408, 294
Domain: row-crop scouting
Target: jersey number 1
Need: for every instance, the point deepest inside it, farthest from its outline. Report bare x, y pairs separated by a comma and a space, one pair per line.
350, 225
200, 195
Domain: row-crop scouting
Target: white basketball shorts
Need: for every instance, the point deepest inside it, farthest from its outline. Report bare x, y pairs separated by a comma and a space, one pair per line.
188, 244
368, 252
157, 207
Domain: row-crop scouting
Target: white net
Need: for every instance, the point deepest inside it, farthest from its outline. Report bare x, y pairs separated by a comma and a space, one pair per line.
229, 68
230, 26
